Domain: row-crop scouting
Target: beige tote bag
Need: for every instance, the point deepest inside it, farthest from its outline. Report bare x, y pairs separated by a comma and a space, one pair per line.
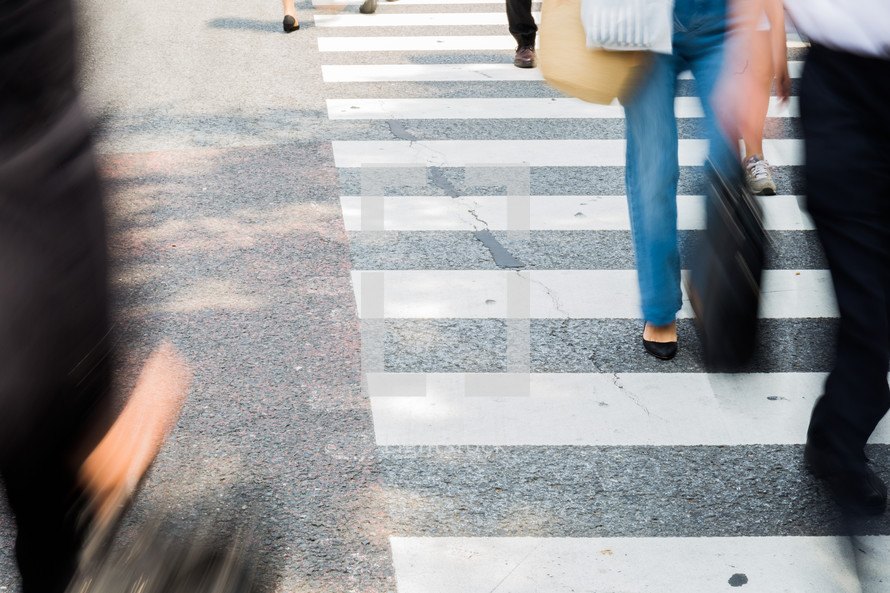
594, 75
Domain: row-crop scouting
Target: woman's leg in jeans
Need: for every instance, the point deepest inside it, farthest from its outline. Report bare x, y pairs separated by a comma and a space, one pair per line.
651, 177
702, 49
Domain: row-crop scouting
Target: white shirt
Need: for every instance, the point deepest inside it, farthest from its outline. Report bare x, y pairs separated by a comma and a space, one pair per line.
856, 26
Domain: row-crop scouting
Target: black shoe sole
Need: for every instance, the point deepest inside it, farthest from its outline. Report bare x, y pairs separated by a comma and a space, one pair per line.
519, 64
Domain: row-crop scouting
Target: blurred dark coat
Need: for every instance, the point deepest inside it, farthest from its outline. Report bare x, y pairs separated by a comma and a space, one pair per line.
54, 324
53, 296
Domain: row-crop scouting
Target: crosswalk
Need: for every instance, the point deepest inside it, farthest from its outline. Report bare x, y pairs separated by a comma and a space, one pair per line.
536, 153
548, 213
518, 421
361, 109
651, 565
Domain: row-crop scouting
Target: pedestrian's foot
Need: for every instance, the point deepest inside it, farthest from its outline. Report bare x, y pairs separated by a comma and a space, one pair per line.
854, 486
368, 7
113, 470
290, 23
759, 176
525, 57
660, 340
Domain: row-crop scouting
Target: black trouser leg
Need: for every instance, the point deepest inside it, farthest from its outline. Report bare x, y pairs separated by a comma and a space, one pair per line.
522, 24
42, 495
40, 473
54, 346
846, 127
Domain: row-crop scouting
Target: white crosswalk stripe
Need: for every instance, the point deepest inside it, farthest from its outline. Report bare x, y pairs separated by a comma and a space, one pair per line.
594, 409
545, 213
437, 73
429, 73
535, 153
417, 43
416, 411
447, 19
644, 565
684, 107
574, 294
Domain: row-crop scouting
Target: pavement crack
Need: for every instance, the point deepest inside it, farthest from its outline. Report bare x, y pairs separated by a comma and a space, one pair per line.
616, 380
556, 304
502, 258
518, 564
398, 130
438, 179
471, 210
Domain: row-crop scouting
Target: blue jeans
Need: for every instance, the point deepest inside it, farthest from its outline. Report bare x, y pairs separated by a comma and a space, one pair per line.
652, 168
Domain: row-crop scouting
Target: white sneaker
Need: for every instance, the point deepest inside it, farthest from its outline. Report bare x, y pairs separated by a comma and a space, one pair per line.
760, 180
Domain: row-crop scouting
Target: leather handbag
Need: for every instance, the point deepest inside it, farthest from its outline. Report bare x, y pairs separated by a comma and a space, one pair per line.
724, 279
594, 75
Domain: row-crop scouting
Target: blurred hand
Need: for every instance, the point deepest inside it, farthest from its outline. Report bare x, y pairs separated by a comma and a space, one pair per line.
783, 82
779, 46
780, 62
736, 90
112, 471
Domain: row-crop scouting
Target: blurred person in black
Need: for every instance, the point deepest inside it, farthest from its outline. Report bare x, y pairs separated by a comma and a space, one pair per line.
844, 98
68, 465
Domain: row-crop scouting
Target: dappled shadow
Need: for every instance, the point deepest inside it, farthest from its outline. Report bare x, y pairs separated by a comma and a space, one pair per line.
241, 24
244, 24
152, 130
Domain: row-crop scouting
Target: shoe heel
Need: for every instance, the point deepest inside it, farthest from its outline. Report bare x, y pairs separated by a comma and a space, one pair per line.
290, 24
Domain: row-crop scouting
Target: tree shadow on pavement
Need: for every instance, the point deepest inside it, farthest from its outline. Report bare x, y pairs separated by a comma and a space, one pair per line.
240, 24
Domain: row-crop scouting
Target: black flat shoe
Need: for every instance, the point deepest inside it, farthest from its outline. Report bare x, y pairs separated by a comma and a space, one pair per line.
855, 488
660, 350
290, 24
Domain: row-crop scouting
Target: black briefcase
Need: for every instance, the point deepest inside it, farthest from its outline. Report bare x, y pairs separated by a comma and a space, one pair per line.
724, 279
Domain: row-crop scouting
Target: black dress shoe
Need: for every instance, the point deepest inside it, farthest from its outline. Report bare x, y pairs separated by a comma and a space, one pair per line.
525, 57
854, 486
660, 350
368, 7
290, 24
